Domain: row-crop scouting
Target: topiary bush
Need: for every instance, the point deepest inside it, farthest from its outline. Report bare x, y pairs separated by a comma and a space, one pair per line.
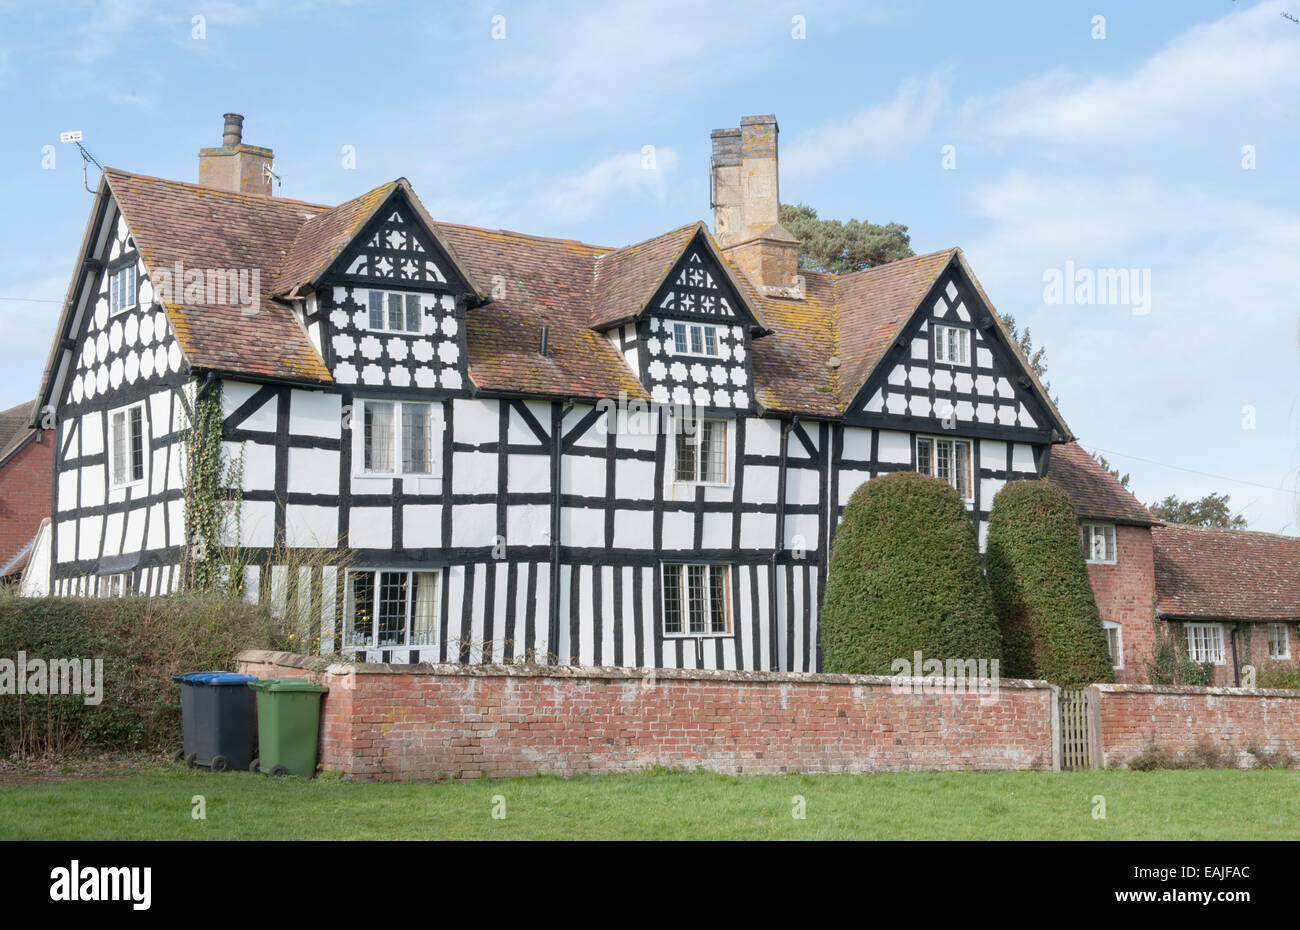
904, 576
1041, 593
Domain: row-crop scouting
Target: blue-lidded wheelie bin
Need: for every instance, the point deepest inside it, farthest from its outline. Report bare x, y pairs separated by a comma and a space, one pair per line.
218, 720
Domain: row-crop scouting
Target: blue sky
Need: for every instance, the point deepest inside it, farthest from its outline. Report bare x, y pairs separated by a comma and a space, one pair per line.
1117, 152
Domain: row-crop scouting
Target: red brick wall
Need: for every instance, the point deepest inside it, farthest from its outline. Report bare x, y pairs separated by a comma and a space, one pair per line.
1126, 593
1133, 718
25, 482
1256, 634
386, 723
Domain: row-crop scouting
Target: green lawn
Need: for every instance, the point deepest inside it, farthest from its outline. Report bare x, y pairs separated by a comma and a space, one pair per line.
1204, 805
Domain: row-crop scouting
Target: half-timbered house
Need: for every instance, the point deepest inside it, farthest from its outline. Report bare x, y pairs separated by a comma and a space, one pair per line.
526, 446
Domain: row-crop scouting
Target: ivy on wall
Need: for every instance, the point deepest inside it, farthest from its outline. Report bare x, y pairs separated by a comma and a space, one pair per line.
213, 496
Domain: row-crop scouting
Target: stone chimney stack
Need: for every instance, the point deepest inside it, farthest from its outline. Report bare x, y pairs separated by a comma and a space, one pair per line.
235, 166
746, 207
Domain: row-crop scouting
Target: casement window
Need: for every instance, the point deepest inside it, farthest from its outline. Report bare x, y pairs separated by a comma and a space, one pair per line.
121, 289
701, 451
1098, 542
1114, 643
396, 438
391, 608
695, 339
948, 460
697, 599
951, 344
1205, 642
395, 312
1279, 641
118, 585
126, 446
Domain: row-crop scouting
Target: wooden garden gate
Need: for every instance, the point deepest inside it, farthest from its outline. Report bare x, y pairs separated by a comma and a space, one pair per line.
1078, 730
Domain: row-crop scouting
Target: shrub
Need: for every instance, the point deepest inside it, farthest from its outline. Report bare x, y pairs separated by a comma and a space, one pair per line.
142, 641
1278, 675
1041, 593
1170, 663
904, 576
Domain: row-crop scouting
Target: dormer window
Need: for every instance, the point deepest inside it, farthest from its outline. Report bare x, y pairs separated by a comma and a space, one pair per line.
121, 289
695, 339
951, 344
393, 312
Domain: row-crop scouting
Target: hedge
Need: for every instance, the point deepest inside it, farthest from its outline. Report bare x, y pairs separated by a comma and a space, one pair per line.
1041, 593
905, 575
142, 642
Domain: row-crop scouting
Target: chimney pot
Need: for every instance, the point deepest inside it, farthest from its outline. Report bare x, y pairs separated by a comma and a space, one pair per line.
236, 166
233, 133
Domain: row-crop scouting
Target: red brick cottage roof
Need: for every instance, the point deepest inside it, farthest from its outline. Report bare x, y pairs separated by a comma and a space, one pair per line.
1094, 491
1213, 574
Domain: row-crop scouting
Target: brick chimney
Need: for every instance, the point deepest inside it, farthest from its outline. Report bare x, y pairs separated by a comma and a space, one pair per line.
235, 166
746, 207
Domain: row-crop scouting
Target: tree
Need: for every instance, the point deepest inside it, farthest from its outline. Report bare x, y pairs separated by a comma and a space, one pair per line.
905, 575
1122, 479
838, 248
1037, 358
1041, 593
1211, 510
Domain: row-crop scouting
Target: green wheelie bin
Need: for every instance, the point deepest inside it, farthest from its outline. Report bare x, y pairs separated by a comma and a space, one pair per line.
288, 722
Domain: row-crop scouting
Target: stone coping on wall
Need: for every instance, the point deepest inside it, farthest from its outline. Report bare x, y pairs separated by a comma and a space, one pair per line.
321, 665
1196, 689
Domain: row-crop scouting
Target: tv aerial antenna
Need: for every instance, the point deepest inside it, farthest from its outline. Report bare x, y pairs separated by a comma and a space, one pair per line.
75, 139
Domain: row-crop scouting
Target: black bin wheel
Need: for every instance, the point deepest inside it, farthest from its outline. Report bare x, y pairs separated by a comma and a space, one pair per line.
192, 760
220, 763
255, 766
178, 756
279, 770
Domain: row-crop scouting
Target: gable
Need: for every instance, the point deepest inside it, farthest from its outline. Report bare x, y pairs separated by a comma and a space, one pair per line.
988, 392
697, 288
396, 247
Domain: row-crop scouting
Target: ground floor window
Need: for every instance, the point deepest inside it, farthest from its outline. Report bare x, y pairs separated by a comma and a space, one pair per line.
1114, 643
391, 608
946, 459
1205, 642
1279, 641
118, 585
697, 599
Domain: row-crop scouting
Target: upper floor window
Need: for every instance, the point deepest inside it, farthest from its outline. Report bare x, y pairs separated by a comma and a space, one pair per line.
394, 312
126, 446
697, 600
948, 460
701, 451
1098, 542
1114, 643
1279, 641
391, 608
121, 289
396, 437
951, 344
695, 339
1205, 642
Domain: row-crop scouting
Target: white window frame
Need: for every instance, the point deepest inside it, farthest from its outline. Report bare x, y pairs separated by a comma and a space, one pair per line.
933, 469
114, 307
1117, 653
941, 354
113, 464
1285, 629
384, 327
117, 584
697, 437
1203, 641
704, 328
397, 450
684, 596
1088, 538
350, 640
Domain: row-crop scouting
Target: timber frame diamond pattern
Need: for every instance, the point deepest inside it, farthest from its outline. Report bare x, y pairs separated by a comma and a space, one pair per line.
489, 424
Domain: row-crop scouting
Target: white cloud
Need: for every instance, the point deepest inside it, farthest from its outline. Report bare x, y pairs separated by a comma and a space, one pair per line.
875, 132
1247, 58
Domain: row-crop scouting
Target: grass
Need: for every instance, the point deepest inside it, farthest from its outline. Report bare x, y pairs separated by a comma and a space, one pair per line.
1159, 805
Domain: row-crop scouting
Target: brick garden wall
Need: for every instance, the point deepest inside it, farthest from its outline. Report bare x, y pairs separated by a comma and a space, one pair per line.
389, 722
1135, 717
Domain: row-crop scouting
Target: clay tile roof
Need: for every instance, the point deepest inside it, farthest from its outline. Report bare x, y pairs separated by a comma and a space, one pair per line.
321, 239
14, 427
1218, 574
1095, 492
792, 370
209, 229
547, 282
626, 278
873, 305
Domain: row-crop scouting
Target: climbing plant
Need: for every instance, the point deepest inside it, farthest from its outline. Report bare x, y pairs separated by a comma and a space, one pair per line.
213, 482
